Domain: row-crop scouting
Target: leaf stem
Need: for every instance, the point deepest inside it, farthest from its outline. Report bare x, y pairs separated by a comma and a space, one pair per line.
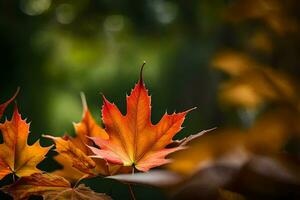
14, 177
81, 178
129, 186
131, 192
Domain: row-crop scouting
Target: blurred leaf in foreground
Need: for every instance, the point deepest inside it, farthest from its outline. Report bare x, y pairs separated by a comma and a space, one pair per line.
50, 187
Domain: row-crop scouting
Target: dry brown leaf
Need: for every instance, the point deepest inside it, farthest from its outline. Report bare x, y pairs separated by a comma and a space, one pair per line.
51, 187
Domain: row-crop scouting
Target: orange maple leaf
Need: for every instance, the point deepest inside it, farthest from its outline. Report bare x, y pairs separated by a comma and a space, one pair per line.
74, 152
68, 171
16, 156
88, 127
133, 139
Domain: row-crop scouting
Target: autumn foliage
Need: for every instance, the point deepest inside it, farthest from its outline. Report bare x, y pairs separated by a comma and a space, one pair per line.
127, 143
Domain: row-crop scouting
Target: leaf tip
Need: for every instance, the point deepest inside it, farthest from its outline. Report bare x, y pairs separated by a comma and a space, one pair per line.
191, 109
141, 82
48, 136
83, 101
16, 114
105, 101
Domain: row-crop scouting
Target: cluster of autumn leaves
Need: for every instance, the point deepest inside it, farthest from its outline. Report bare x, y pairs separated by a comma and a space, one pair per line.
128, 143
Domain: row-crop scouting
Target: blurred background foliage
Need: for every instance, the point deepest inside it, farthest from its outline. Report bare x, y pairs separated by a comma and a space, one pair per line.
235, 60
55, 49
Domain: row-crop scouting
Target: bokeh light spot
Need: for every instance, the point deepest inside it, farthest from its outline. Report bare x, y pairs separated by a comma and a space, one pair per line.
35, 7
65, 13
114, 23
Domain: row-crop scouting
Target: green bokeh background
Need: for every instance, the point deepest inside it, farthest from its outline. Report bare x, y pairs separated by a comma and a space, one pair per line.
55, 49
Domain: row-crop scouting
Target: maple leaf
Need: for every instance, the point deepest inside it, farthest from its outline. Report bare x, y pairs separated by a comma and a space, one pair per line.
68, 171
74, 153
50, 187
133, 139
5, 104
88, 127
16, 156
